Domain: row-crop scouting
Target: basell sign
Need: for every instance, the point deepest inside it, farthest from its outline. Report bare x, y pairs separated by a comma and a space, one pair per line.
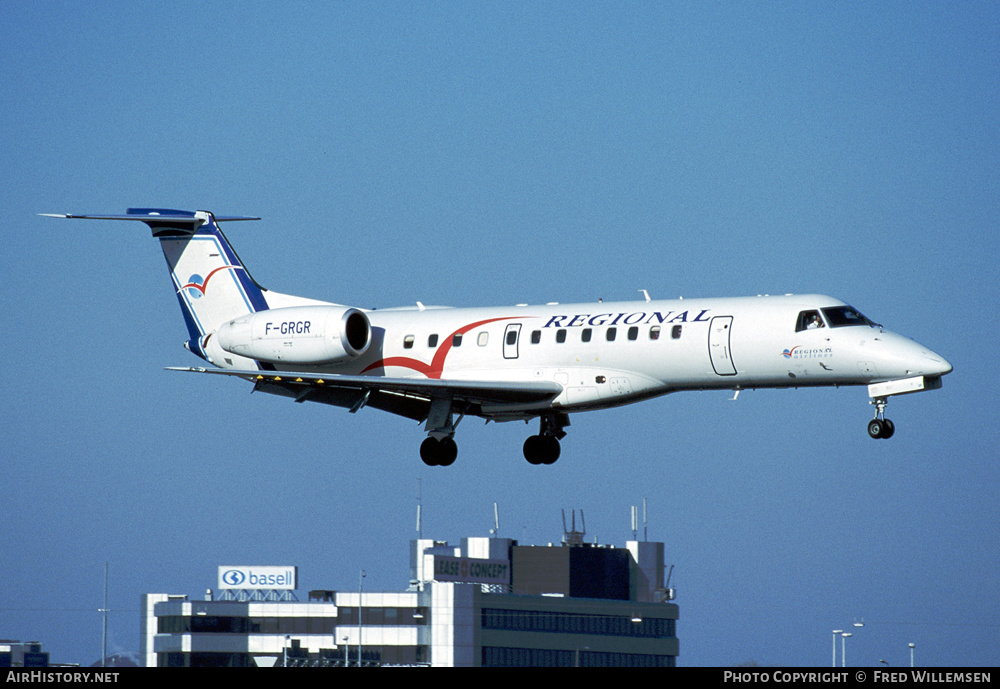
471, 570
252, 577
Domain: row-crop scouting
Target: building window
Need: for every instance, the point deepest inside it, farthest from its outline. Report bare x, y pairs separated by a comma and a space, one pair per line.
577, 623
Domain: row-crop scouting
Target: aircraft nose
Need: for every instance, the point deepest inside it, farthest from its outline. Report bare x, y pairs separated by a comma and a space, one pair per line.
936, 365
928, 363
911, 358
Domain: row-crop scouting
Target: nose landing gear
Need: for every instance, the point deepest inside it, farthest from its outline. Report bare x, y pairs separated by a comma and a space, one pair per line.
881, 428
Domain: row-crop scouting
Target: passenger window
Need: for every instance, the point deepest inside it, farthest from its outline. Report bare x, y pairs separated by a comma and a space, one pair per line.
511, 337
456, 341
612, 332
484, 338
654, 332
536, 336
809, 320
633, 333
408, 342
560, 336
675, 332
585, 335
432, 341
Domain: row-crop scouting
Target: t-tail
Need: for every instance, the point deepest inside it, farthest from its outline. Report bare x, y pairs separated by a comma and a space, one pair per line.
211, 283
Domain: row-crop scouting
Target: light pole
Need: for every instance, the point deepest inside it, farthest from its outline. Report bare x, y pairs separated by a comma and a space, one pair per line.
911, 654
361, 581
346, 661
843, 648
835, 632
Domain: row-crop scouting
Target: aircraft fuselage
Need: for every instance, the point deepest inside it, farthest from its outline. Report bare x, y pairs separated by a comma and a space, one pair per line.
608, 354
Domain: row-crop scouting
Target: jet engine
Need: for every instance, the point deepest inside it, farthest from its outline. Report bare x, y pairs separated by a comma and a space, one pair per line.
309, 335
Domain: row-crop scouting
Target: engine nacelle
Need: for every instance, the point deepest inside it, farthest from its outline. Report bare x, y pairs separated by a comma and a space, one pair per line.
311, 335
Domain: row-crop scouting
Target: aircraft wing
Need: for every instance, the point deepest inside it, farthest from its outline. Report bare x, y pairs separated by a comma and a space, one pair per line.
409, 397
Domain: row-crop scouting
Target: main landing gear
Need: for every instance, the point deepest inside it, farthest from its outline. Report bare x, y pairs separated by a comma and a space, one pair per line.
439, 449
439, 452
880, 427
544, 447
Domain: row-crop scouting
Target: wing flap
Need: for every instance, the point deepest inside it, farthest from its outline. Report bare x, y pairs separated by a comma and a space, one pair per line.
405, 396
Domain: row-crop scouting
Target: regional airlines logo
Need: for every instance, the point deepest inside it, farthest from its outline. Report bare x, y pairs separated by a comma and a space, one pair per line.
196, 285
798, 352
612, 319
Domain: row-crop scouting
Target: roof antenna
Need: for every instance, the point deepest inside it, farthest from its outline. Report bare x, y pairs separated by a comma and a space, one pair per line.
420, 533
645, 528
495, 531
572, 537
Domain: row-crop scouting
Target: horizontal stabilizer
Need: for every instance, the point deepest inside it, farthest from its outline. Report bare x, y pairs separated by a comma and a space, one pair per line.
158, 217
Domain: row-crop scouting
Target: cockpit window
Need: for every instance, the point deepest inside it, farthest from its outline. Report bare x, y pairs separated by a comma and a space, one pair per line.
841, 316
809, 320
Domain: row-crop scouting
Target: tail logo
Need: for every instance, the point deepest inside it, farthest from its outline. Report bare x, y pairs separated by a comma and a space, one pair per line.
196, 286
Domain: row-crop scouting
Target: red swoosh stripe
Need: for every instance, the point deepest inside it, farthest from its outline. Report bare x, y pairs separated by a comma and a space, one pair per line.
435, 368
203, 286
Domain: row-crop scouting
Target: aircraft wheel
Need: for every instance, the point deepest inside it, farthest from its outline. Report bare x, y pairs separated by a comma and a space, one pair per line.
438, 453
541, 449
531, 449
552, 449
877, 428
430, 452
449, 452
889, 429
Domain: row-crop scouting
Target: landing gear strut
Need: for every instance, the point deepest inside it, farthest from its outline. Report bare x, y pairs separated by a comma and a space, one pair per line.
880, 427
439, 449
544, 447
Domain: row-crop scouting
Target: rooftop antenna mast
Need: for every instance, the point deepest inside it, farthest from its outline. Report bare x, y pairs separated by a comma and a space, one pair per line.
104, 626
573, 537
420, 533
495, 531
635, 523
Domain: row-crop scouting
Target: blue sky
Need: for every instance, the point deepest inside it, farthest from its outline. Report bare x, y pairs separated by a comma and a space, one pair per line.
494, 154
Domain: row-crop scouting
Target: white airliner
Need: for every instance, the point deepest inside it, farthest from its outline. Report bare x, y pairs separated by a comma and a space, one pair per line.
437, 365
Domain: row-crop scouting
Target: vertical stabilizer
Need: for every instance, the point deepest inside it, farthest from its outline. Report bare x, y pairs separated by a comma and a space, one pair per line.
211, 283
